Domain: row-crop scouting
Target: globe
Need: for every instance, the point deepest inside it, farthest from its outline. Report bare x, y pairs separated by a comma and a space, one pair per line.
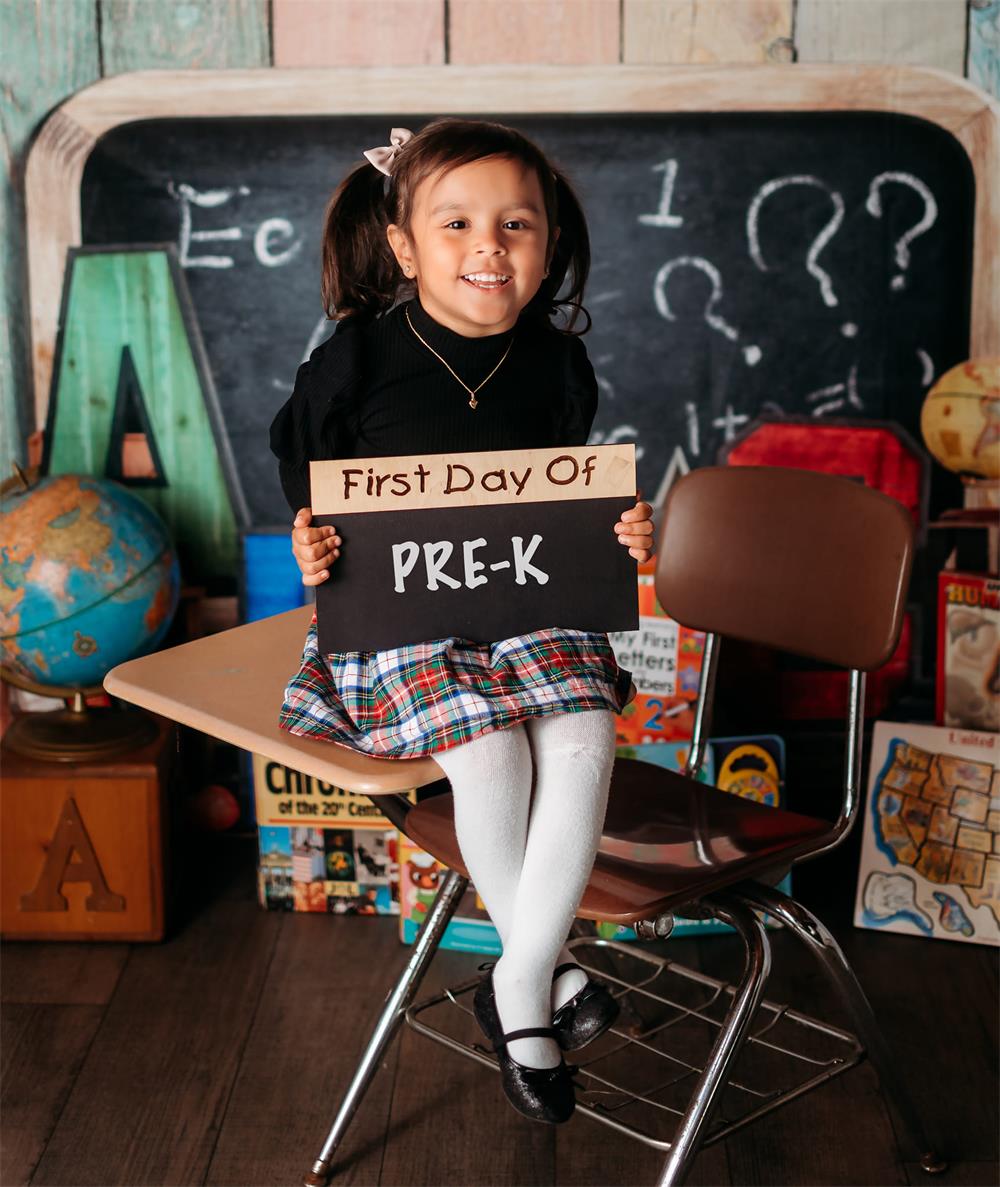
960, 419
88, 580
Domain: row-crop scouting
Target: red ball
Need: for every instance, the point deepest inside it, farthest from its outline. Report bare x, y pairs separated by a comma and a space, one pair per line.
214, 808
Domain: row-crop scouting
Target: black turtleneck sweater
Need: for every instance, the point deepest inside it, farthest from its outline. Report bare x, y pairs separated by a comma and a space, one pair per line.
373, 389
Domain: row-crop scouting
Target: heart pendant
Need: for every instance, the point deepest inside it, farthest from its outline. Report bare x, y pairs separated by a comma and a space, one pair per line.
473, 403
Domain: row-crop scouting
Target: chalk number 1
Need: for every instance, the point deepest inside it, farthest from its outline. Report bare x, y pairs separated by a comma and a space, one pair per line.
663, 217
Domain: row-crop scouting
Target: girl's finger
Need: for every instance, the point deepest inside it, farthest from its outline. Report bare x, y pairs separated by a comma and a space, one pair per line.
320, 565
634, 541
313, 535
639, 511
313, 552
323, 553
314, 566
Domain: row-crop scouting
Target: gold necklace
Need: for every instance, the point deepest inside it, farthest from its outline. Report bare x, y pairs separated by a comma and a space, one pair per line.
473, 402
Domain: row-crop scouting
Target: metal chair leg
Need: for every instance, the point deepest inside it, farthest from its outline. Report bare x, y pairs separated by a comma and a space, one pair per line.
818, 939
428, 938
713, 1078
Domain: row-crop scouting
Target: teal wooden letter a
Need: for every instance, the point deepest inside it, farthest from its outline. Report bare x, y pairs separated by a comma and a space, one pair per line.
127, 360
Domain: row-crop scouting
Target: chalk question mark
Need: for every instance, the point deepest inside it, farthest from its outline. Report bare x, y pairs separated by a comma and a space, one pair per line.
751, 354
873, 205
826, 233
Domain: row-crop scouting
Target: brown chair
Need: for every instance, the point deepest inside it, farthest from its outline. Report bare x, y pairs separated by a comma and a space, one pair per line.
803, 562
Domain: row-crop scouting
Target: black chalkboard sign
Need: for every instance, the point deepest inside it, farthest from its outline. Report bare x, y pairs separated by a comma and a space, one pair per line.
483, 546
810, 263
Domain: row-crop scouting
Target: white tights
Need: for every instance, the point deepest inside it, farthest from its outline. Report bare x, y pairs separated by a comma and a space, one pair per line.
530, 856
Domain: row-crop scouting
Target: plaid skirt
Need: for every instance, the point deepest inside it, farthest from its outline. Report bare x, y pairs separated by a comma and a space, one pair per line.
425, 697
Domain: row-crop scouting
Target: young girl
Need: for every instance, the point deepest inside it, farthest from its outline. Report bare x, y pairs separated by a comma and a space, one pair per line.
442, 259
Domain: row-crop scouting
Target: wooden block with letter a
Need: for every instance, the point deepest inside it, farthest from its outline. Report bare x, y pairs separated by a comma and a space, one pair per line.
85, 845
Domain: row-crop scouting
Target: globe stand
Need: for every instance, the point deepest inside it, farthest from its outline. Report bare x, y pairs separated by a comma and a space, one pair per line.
77, 734
980, 494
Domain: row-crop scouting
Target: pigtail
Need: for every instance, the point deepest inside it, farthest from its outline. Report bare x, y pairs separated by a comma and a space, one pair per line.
360, 274
570, 255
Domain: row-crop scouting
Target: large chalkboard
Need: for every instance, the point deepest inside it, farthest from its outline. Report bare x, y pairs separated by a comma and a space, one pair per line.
812, 263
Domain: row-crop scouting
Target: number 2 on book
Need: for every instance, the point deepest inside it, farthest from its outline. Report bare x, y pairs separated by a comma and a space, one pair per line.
655, 720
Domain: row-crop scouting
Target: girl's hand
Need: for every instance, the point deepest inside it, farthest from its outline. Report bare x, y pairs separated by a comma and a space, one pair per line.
635, 531
315, 549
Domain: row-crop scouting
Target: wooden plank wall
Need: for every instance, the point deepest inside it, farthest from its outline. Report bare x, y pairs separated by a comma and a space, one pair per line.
51, 48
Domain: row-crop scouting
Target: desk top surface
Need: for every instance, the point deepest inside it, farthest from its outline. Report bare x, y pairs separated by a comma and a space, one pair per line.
231, 685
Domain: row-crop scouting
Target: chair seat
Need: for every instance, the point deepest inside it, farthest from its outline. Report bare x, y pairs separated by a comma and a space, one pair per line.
667, 840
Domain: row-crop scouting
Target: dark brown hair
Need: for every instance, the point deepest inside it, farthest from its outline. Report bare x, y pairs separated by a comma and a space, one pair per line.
360, 273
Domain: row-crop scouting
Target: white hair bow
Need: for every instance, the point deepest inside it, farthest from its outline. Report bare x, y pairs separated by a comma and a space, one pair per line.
382, 158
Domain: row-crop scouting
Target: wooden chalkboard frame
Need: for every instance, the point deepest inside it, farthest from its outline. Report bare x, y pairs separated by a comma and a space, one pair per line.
59, 154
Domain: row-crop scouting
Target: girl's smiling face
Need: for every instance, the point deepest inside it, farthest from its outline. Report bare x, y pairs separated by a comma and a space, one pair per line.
486, 216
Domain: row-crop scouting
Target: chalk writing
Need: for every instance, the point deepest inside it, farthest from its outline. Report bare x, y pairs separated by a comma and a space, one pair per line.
822, 239
269, 231
187, 196
436, 554
873, 205
272, 229
663, 217
752, 354
730, 422
844, 393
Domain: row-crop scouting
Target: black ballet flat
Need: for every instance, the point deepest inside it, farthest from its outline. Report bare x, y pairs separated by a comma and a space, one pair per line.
484, 1007
587, 1014
541, 1094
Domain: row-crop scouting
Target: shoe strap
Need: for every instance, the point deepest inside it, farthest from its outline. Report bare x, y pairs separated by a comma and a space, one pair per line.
529, 1032
564, 968
547, 1032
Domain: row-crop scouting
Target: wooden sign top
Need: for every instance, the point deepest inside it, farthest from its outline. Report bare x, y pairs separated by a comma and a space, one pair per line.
480, 479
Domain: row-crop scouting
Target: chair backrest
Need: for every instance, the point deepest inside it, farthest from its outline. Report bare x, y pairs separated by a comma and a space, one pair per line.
792, 559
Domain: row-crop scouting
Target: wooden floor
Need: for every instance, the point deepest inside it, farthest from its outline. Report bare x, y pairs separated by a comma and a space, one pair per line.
219, 1057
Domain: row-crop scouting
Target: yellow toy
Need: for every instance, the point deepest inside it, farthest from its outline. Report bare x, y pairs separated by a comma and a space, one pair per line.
749, 771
